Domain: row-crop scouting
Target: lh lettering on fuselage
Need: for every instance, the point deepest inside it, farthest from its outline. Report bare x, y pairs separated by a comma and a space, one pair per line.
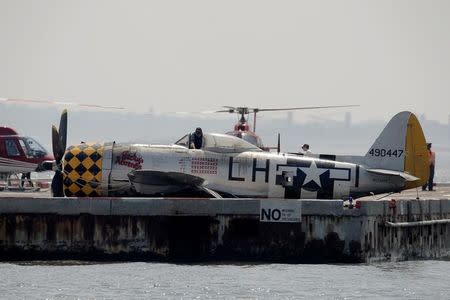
255, 168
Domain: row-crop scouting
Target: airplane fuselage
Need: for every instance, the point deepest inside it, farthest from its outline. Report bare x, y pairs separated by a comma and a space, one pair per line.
243, 174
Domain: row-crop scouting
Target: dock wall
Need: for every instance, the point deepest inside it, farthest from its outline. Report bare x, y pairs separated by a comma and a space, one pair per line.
221, 229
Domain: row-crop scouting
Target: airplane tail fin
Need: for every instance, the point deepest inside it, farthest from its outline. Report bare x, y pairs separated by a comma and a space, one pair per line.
401, 146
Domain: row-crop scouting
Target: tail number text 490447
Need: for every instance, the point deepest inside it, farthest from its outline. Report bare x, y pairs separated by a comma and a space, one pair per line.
386, 152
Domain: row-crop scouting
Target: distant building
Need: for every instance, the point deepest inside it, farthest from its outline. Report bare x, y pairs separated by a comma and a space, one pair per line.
348, 119
290, 117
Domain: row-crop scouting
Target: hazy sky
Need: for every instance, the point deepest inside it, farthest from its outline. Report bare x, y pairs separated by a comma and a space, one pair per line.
386, 56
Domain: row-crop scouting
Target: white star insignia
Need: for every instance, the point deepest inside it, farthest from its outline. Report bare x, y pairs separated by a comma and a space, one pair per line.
313, 174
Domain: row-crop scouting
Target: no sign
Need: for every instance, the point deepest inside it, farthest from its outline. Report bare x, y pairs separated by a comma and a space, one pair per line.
280, 211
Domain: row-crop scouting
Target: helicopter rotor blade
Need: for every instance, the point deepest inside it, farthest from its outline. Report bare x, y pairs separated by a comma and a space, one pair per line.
246, 110
225, 111
301, 108
229, 109
54, 102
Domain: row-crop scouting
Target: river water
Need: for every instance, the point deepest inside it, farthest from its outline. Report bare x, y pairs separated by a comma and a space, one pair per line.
77, 280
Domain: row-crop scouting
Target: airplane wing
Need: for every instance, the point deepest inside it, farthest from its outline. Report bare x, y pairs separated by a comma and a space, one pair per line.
406, 176
149, 182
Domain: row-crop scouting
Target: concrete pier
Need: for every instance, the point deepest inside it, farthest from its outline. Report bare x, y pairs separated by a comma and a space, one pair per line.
223, 229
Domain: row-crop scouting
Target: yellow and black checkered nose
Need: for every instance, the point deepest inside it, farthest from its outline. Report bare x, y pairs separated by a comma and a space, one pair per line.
82, 170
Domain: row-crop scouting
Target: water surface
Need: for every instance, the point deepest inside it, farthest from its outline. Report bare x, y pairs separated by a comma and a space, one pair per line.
77, 280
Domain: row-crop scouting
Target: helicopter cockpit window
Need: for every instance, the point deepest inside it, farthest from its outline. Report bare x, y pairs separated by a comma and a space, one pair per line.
31, 147
11, 148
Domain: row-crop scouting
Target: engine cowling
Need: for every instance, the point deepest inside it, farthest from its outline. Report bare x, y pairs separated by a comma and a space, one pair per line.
82, 170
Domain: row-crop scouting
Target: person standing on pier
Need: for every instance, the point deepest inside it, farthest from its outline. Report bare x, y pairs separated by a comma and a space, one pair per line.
305, 150
432, 163
26, 177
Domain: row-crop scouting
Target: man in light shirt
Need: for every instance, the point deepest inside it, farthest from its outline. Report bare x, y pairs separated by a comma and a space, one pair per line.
305, 149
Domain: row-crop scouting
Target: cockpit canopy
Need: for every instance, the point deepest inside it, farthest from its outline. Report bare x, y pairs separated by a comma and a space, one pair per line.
247, 136
221, 143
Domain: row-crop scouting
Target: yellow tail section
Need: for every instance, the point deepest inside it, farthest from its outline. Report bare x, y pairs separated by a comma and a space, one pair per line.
416, 157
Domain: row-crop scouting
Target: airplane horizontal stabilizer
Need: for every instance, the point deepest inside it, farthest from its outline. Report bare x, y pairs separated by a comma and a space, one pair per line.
406, 176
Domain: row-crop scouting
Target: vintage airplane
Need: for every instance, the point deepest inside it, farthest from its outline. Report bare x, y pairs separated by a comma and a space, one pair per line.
232, 167
20, 154
242, 127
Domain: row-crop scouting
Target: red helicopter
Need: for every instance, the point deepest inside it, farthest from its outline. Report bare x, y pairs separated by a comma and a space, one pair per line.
242, 128
20, 154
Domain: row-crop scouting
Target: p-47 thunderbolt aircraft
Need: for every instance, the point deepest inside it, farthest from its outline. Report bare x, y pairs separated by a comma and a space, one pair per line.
226, 165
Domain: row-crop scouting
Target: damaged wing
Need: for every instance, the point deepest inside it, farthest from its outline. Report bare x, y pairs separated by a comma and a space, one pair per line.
149, 182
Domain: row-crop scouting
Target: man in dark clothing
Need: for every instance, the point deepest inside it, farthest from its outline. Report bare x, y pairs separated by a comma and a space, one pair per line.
26, 177
197, 139
431, 163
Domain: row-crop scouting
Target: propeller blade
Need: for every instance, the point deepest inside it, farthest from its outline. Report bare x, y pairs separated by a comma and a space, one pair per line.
57, 184
63, 129
58, 152
59, 140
